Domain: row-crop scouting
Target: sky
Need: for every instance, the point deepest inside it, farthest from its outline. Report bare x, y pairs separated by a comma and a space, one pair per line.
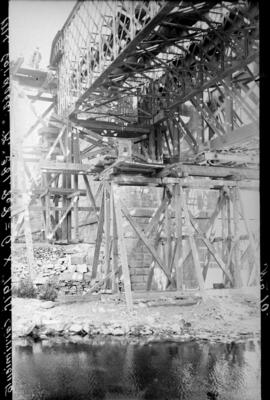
34, 23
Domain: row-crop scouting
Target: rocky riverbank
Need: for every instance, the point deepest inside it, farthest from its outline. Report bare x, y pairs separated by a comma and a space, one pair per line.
225, 315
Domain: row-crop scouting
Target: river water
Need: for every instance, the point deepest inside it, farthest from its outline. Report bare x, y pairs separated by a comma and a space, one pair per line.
113, 370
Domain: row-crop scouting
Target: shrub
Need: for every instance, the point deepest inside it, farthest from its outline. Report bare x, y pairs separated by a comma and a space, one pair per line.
49, 291
25, 289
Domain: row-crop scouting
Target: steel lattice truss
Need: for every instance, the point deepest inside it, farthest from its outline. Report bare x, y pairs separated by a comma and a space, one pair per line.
146, 64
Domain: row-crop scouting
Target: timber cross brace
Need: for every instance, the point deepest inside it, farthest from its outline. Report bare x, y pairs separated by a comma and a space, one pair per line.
171, 224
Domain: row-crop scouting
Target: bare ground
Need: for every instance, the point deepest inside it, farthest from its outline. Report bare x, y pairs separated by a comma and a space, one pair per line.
225, 315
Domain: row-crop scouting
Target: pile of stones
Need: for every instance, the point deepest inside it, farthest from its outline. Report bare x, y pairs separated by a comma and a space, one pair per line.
70, 273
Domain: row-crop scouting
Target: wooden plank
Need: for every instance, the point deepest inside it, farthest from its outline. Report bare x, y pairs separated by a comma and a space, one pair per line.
99, 238
256, 267
178, 242
75, 209
168, 234
128, 131
145, 241
212, 219
223, 233
47, 205
66, 168
229, 238
107, 227
123, 252
153, 264
237, 158
76, 158
68, 147
209, 171
115, 268
236, 220
192, 243
140, 180
58, 208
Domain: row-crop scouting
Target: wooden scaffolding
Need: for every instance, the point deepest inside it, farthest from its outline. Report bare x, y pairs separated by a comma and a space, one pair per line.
158, 94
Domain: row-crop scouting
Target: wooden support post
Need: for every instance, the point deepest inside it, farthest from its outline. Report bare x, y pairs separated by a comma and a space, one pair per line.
206, 266
223, 233
99, 238
122, 250
69, 148
151, 143
229, 239
158, 143
168, 234
228, 107
19, 224
76, 209
47, 205
152, 266
237, 264
178, 243
76, 159
115, 267
107, 227
256, 267
192, 243
64, 201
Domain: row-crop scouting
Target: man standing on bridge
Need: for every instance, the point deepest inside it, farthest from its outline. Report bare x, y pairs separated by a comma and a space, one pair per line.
36, 58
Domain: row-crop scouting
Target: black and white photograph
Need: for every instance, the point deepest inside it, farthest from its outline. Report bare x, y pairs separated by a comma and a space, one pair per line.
136, 270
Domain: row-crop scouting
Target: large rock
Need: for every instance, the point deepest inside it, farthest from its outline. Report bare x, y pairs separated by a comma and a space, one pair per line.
51, 328
87, 276
47, 304
89, 259
78, 259
27, 329
76, 276
72, 268
77, 329
81, 268
65, 276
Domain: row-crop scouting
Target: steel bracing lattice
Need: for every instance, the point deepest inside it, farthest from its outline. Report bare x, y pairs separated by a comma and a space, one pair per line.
141, 63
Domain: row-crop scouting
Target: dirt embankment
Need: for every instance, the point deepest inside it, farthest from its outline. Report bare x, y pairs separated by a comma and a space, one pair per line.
225, 315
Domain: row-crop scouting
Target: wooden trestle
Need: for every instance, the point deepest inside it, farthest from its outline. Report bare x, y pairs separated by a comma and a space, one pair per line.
160, 63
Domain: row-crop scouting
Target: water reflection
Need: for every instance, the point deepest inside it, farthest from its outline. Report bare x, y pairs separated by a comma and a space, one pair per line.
167, 371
